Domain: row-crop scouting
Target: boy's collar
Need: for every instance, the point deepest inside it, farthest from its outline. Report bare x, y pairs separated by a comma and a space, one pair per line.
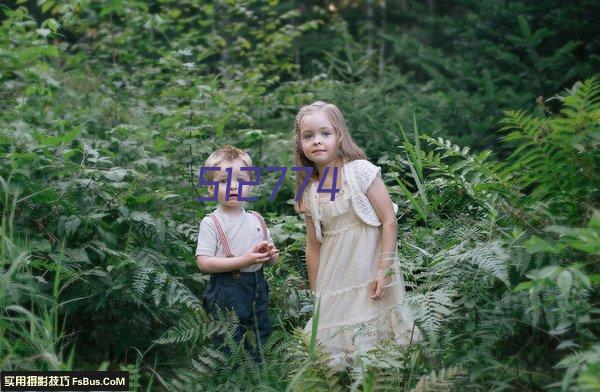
229, 216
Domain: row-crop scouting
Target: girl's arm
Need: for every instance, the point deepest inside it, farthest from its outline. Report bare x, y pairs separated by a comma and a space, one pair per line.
313, 252
382, 203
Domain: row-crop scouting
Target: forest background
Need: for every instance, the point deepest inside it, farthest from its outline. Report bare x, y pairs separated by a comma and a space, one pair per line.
484, 116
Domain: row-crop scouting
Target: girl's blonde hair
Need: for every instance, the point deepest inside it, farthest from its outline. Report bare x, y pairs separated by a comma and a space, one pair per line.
347, 148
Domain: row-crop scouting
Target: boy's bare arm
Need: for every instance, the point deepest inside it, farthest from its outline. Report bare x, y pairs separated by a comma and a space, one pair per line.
213, 264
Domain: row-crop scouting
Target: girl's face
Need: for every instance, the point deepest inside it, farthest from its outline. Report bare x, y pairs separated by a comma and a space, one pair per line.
236, 175
318, 139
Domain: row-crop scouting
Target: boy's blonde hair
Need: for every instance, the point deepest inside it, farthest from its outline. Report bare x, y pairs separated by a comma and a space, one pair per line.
225, 153
348, 150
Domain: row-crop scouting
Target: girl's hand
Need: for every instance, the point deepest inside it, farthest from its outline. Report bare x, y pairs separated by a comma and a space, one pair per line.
378, 291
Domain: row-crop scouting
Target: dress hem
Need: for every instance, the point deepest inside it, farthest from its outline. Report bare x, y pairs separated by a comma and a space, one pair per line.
329, 293
365, 320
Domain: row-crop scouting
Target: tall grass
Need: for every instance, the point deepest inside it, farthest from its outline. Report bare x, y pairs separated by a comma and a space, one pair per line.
32, 332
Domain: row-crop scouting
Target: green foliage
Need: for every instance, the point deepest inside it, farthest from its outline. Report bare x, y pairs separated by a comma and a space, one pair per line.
570, 145
32, 332
584, 366
468, 267
444, 379
108, 109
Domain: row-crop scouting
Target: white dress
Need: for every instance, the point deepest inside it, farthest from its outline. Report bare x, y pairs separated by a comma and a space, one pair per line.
349, 321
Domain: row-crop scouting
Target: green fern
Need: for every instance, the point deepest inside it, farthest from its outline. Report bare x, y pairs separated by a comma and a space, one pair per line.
581, 370
189, 328
566, 143
489, 256
445, 379
151, 279
430, 309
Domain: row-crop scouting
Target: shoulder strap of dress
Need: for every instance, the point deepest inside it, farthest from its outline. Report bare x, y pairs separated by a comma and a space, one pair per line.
222, 236
262, 223
314, 201
307, 197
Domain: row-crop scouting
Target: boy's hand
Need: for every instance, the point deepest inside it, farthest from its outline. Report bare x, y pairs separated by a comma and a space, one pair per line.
259, 253
263, 247
269, 248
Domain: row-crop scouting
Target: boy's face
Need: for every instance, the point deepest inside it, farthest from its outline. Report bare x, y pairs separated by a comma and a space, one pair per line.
236, 175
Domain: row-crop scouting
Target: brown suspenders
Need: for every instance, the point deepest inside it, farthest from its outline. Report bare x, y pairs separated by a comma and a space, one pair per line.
223, 238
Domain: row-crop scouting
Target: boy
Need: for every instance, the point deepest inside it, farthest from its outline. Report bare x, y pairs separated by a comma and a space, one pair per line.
232, 246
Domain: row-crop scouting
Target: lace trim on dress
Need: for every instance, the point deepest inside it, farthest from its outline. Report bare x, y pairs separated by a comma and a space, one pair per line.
341, 230
369, 326
327, 199
329, 293
357, 322
345, 357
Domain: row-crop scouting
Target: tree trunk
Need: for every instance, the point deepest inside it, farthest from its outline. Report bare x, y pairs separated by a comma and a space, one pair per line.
369, 36
381, 67
221, 24
302, 9
404, 5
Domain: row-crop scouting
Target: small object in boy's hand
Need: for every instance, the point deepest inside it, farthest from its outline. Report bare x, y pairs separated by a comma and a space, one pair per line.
264, 248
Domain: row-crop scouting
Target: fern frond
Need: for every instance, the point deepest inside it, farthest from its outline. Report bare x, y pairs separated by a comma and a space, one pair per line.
149, 271
430, 309
442, 380
490, 256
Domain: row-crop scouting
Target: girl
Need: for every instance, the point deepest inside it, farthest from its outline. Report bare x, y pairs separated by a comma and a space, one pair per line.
351, 241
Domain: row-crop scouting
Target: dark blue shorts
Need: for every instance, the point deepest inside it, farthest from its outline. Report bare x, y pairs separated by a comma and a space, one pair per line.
248, 296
